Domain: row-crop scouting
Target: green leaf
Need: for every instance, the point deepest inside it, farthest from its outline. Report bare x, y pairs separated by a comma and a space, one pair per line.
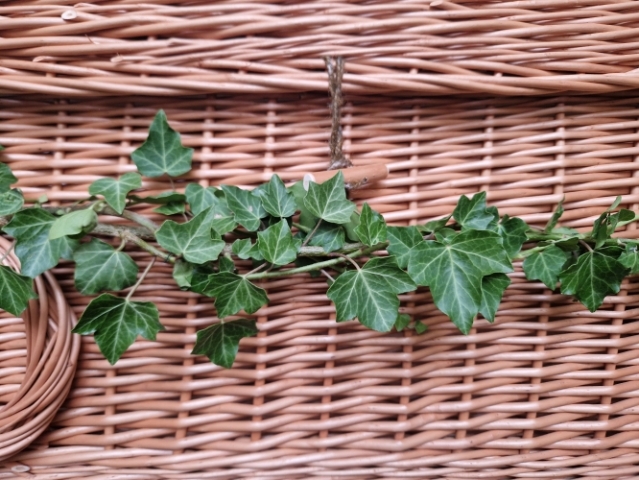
630, 259
329, 236
100, 267
172, 208
545, 265
193, 240
115, 191
116, 323
163, 198
350, 227
472, 213
402, 321
226, 264
247, 207
401, 242
244, 249
221, 342
372, 227
277, 244
513, 232
552, 222
74, 223
328, 200
435, 225
454, 271
183, 273
306, 218
162, 152
7, 178
200, 198
592, 278
492, 290
15, 291
420, 327
11, 201
370, 293
277, 201
36, 252
232, 293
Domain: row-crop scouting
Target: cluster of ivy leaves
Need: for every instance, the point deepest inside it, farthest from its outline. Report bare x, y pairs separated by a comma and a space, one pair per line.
464, 258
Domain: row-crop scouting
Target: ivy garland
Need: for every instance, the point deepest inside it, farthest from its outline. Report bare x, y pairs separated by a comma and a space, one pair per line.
463, 258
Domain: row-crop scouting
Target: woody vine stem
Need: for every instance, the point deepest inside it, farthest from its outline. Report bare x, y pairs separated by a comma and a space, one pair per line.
210, 234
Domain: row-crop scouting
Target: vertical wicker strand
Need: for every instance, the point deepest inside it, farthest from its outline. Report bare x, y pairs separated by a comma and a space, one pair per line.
188, 362
558, 191
261, 350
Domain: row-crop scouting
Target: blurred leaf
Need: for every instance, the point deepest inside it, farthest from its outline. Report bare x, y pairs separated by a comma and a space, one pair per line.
221, 342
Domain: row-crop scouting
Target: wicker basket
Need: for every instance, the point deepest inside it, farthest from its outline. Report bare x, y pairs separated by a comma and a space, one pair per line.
549, 391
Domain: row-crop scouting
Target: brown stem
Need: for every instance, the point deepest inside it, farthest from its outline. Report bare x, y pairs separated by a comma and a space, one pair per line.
335, 70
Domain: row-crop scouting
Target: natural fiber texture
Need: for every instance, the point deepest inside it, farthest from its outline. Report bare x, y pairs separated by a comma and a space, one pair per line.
549, 391
431, 47
38, 356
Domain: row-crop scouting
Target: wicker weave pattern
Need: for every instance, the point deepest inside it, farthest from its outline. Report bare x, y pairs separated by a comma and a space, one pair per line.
549, 390
424, 47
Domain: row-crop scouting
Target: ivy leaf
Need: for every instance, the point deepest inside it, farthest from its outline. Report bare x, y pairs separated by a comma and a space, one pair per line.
115, 191
116, 323
277, 244
74, 223
472, 213
370, 293
552, 222
630, 259
306, 218
545, 265
592, 278
100, 267
435, 225
221, 342
420, 327
171, 208
350, 227
183, 273
244, 249
492, 290
11, 201
162, 152
402, 321
15, 291
328, 200
401, 241
200, 198
247, 207
7, 178
454, 271
225, 264
329, 236
513, 233
372, 227
163, 198
277, 201
193, 240
36, 252
232, 293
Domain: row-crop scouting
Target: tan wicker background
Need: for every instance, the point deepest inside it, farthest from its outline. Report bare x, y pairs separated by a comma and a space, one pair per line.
549, 388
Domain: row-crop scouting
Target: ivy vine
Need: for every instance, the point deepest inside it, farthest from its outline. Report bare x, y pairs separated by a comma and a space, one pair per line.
463, 258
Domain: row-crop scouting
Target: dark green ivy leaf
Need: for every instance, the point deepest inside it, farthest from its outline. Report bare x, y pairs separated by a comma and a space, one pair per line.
329, 236
171, 208
183, 273
277, 244
401, 241
221, 342
420, 327
454, 271
472, 213
592, 278
163, 198
100, 267
277, 201
247, 207
328, 200
245, 249
225, 264
370, 293
73, 223
116, 323
402, 321
7, 178
492, 290
200, 198
115, 191
630, 259
513, 232
552, 222
372, 227
545, 265
11, 201
162, 152
232, 293
15, 291
435, 225
36, 252
193, 240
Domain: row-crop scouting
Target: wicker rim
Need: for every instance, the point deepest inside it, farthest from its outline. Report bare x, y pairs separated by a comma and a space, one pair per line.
52, 354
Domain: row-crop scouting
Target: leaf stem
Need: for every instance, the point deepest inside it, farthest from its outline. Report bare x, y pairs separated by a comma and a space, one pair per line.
141, 279
347, 258
588, 247
7, 253
255, 270
310, 235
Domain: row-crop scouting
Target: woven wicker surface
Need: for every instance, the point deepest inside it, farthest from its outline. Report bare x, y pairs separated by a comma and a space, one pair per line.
162, 47
549, 391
